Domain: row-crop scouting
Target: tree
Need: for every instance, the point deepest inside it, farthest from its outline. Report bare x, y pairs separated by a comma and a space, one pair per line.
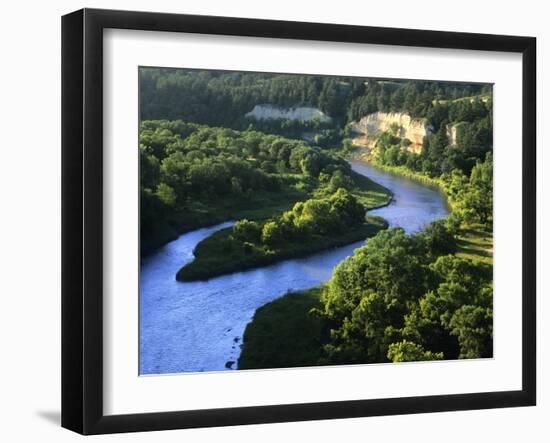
457, 282
437, 144
316, 217
346, 208
174, 169
247, 231
340, 180
310, 165
437, 115
480, 197
272, 234
440, 238
473, 325
398, 298
409, 351
149, 168
369, 294
166, 194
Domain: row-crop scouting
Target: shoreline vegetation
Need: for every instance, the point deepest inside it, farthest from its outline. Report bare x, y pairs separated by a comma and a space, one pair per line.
474, 239
258, 206
193, 176
402, 171
296, 330
419, 297
285, 324
270, 338
213, 257
309, 227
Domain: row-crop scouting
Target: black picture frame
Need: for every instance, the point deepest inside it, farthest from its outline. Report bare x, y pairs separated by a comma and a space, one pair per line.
82, 218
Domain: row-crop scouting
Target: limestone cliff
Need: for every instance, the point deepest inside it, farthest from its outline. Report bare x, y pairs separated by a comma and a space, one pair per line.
451, 132
267, 112
371, 126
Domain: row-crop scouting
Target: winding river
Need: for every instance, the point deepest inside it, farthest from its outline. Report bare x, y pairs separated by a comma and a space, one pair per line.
198, 326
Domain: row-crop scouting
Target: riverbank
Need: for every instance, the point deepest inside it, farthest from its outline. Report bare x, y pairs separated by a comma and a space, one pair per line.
285, 332
475, 241
213, 257
173, 314
299, 335
267, 339
223, 254
403, 171
258, 206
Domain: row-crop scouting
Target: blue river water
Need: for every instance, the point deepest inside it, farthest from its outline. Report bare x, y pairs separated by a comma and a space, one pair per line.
198, 326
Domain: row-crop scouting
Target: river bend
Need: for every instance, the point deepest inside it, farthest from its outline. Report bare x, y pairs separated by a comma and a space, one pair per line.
198, 326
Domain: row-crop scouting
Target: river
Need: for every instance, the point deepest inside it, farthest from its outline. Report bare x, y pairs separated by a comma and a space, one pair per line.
198, 326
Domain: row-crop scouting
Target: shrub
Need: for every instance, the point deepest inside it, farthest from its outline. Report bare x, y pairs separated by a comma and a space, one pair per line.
247, 231
272, 233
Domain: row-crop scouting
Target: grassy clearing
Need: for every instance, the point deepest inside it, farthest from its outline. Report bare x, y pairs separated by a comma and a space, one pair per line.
283, 333
219, 254
476, 243
369, 193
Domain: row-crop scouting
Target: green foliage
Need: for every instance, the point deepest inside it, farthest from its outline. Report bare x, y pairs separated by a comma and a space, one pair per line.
481, 189
405, 298
454, 160
166, 194
440, 237
247, 231
272, 233
473, 197
473, 325
368, 294
222, 254
340, 180
310, 226
420, 99
194, 175
409, 351
398, 298
321, 216
219, 98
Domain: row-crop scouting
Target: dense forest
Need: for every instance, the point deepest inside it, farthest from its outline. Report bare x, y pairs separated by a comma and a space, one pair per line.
194, 175
398, 298
405, 298
426, 296
221, 98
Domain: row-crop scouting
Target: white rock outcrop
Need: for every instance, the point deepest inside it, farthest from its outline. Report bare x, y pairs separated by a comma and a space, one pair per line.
371, 126
452, 133
269, 112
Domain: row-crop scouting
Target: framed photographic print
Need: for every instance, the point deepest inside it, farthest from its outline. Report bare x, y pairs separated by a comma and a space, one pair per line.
270, 221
